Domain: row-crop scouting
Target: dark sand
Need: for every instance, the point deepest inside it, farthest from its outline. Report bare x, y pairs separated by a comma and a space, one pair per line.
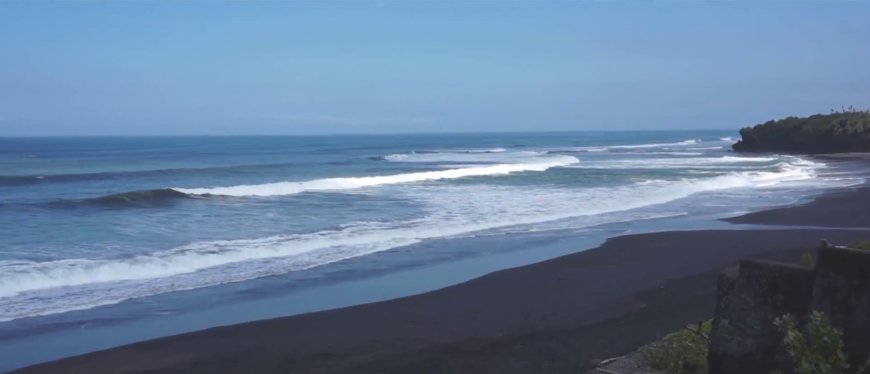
844, 208
553, 316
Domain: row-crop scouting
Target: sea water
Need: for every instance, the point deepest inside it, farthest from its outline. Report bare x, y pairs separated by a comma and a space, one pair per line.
105, 240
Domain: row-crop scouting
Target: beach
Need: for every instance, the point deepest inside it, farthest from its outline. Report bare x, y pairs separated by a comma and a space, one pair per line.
553, 316
424, 186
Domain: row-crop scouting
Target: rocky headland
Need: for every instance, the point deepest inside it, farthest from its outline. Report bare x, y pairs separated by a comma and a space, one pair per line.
838, 132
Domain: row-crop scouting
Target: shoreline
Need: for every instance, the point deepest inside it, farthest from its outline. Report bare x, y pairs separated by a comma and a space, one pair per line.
552, 316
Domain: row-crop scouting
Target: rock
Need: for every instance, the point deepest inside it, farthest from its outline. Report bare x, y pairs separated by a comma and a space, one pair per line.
842, 291
749, 299
744, 338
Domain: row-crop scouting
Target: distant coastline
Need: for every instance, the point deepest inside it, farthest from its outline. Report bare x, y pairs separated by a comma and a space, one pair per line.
838, 132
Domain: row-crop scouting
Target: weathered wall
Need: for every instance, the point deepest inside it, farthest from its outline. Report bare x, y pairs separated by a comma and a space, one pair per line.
744, 339
842, 291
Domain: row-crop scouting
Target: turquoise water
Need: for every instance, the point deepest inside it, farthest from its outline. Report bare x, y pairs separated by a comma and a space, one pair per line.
105, 241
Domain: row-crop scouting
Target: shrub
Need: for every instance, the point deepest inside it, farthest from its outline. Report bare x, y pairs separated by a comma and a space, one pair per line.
681, 352
807, 260
863, 244
816, 350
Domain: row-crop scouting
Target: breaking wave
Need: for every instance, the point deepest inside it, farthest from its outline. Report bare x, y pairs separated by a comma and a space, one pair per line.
679, 163
31, 288
625, 147
348, 183
134, 199
655, 145
142, 198
492, 150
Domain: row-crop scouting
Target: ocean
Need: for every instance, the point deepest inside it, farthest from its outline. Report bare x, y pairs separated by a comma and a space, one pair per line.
110, 240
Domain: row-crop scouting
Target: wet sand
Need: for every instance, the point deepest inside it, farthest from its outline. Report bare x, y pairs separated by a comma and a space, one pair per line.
848, 207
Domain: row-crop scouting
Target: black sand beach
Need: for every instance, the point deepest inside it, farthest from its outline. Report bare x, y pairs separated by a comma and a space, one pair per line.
553, 316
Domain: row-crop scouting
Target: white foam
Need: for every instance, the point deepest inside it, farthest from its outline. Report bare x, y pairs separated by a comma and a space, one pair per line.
675, 163
626, 146
491, 150
676, 153
655, 145
703, 148
27, 276
336, 184
750, 159
467, 156
727, 139
38, 288
34, 288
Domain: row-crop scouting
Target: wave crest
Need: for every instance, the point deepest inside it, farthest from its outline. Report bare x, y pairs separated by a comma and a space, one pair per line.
143, 198
605, 148
348, 183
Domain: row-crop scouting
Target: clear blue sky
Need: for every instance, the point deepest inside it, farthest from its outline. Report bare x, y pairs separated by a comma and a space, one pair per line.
91, 68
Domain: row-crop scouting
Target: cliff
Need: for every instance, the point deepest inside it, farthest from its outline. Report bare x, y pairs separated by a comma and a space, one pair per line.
838, 132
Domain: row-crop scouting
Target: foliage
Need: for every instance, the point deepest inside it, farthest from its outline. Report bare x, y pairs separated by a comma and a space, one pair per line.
846, 131
816, 350
807, 260
863, 244
681, 352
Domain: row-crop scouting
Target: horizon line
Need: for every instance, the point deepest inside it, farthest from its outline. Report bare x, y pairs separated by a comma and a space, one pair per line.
351, 133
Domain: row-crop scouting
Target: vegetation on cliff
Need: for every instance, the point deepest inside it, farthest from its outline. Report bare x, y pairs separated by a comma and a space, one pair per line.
681, 352
840, 131
815, 347
817, 350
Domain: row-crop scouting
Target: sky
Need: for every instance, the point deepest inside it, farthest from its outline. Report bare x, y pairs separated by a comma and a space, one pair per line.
226, 68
